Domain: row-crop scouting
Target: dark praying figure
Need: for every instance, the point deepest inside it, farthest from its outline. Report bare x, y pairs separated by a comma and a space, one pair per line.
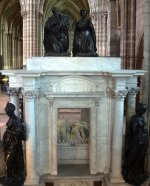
136, 145
84, 43
12, 144
56, 38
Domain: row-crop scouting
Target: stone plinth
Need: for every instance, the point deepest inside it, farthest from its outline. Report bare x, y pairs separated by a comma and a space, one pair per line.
73, 64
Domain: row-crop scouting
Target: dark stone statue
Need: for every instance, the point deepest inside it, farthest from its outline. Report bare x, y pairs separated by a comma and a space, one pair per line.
84, 43
12, 144
56, 38
136, 145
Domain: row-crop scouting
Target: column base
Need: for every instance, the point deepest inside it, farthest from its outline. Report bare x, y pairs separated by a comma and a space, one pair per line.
108, 181
32, 182
54, 173
93, 171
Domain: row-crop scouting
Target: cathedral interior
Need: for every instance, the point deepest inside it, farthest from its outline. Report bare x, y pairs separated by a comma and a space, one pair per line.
122, 30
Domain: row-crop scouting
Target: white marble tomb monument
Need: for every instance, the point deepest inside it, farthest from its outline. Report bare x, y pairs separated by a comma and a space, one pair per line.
54, 88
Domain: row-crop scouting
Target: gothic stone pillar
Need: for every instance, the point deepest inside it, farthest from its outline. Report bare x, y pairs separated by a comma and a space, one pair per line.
31, 32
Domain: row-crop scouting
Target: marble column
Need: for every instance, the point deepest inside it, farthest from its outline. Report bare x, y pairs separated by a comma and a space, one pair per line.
14, 99
53, 138
117, 135
93, 145
131, 102
31, 155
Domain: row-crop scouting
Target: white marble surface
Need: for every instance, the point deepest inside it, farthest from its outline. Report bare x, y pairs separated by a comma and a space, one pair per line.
73, 154
88, 83
73, 63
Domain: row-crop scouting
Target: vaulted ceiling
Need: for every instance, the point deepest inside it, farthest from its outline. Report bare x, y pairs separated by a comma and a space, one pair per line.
10, 15
10, 11
72, 7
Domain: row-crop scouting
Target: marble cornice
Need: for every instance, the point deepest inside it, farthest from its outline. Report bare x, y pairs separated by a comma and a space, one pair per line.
74, 94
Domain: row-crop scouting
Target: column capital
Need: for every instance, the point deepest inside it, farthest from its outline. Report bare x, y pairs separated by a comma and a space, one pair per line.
133, 91
10, 34
28, 12
30, 95
51, 102
5, 33
97, 100
13, 91
119, 94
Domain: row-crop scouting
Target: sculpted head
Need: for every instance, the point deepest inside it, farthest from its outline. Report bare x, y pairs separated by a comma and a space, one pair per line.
84, 13
9, 109
56, 12
140, 108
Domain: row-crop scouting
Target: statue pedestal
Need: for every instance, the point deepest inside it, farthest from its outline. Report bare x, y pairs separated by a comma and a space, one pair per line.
51, 83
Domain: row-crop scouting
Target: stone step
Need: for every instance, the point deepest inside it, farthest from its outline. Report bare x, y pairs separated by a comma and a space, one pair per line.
107, 183
72, 180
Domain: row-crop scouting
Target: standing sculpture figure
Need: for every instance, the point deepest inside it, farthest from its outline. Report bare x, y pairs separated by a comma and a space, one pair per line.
56, 38
136, 144
84, 43
12, 144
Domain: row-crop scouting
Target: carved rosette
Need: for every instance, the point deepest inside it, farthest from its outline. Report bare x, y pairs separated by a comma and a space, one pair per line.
119, 94
133, 91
